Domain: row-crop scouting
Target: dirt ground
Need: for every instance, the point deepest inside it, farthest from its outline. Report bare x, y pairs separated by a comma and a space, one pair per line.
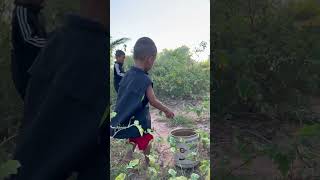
259, 131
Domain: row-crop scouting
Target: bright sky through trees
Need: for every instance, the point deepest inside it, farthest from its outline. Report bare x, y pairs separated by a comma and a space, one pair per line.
170, 23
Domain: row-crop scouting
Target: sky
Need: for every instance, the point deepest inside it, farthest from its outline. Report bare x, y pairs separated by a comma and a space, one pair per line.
170, 23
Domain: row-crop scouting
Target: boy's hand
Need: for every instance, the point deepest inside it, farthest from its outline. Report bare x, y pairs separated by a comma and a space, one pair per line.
169, 114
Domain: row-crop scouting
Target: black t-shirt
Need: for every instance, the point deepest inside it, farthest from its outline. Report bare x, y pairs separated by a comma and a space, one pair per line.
132, 104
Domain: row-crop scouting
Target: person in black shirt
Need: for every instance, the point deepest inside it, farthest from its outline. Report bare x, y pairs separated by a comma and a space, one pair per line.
66, 98
132, 119
28, 38
118, 69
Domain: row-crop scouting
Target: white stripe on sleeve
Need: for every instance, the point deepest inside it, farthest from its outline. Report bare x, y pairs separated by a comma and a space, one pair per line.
26, 29
42, 40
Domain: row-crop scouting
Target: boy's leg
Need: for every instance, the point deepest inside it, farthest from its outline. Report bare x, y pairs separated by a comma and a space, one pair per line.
116, 87
129, 155
146, 152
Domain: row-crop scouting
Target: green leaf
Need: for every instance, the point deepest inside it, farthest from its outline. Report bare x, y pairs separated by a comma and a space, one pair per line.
310, 130
152, 159
246, 88
193, 153
204, 167
153, 171
8, 168
121, 176
205, 140
283, 163
172, 141
173, 149
133, 163
198, 113
113, 114
181, 178
194, 176
136, 122
172, 172
208, 176
159, 139
140, 129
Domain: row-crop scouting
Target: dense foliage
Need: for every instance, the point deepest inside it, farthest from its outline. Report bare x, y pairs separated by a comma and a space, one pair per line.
266, 55
265, 71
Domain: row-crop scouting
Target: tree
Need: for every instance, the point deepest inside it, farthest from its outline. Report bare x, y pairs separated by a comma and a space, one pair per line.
117, 42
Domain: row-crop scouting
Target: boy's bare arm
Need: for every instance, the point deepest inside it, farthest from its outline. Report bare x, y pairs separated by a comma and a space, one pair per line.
154, 101
157, 104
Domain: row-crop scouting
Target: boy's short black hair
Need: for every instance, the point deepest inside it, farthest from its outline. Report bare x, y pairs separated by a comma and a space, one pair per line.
144, 47
119, 53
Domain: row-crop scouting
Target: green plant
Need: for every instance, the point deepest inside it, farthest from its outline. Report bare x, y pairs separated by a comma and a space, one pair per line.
133, 164
173, 174
121, 176
180, 120
176, 75
8, 168
202, 108
262, 57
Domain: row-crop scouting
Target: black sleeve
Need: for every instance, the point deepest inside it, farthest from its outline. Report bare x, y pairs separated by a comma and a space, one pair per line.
27, 21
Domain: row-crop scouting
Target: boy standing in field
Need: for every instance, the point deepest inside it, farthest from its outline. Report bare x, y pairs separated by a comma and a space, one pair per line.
118, 69
28, 38
65, 100
135, 93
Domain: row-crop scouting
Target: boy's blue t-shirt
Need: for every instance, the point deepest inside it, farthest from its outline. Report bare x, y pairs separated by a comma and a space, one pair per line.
132, 104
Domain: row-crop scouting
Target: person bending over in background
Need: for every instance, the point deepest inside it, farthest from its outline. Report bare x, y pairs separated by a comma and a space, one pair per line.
118, 69
65, 100
135, 93
28, 38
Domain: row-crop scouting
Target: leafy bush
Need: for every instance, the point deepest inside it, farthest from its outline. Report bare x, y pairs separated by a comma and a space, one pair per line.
264, 59
176, 75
